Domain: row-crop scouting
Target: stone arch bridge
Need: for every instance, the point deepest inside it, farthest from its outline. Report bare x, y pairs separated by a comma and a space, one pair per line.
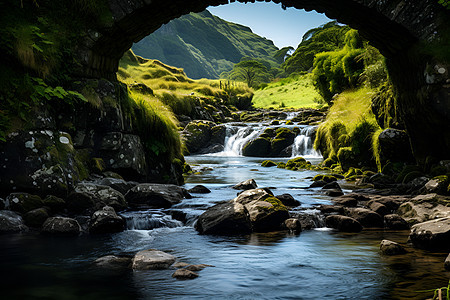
401, 29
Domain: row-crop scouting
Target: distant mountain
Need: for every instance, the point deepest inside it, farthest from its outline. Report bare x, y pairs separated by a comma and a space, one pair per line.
204, 45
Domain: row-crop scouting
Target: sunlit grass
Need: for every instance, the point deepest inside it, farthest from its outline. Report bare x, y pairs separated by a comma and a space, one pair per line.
292, 92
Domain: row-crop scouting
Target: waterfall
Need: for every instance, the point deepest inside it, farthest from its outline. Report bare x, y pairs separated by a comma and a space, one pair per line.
149, 219
303, 143
237, 136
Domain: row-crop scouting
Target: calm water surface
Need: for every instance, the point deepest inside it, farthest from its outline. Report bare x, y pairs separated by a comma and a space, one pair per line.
317, 264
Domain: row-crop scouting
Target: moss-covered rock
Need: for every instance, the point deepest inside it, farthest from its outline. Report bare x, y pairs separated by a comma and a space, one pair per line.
438, 184
260, 147
268, 163
55, 204
36, 217
281, 165
296, 163
23, 202
347, 158
324, 177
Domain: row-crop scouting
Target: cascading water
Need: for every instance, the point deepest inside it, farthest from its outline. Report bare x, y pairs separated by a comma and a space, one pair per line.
237, 136
149, 219
303, 143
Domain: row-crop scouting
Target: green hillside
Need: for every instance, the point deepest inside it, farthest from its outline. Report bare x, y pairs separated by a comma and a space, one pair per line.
204, 45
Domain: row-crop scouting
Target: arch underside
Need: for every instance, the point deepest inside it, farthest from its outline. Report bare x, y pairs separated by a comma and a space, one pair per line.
395, 27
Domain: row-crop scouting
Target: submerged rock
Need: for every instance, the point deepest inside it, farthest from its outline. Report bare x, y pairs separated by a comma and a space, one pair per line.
434, 234
152, 260
61, 226
184, 274
11, 222
113, 262
391, 248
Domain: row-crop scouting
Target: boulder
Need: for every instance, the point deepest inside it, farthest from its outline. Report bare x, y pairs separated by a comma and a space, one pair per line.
91, 196
246, 185
318, 183
438, 184
199, 189
55, 204
11, 222
260, 147
288, 200
152, 260
391, 248
395, 222
333, 192
329, 209
61, 226
106, 221
293, 225
377, 207
155, 195
346, 201
224, 218
23, 202
447, 263
283, 139
343, 223
332, 186
434, 234
425, 207
198, 135
184, 274
394, 145
266, 212
365, 217
268, 164
113, 262
119, 185
36, 217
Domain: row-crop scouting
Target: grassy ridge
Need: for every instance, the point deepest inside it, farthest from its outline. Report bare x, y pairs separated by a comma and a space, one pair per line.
292, 92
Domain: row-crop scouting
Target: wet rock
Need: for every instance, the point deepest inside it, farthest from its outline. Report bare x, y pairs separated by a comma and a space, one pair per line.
90, 196
201, 134
346, 201
333, 192
155, 195
395, 146
288, 200
184, 274
11, 222
224, 218
366, 217
113, 262
180, 264
152, 260
2, 204
438, 184
119, 185
260, 147
395, 222
23, 202
377, 207
55, 204
425, 207
447, 263
36, 217
61, 226
318, 183
433, 235
332, 186
293, 225
356, 196
343, 223
106, 221
391, 248
246, 185
329, 209
199, 189
196, 268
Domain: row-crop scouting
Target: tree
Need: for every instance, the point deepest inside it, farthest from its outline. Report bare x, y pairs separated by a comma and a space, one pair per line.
250, 71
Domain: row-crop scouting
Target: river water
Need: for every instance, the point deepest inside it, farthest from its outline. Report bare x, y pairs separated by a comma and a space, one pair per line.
316, 264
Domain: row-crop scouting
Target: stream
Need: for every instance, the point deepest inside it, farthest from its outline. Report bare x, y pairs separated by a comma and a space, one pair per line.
315, 264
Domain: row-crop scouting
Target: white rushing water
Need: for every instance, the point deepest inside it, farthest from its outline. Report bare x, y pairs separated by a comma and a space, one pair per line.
238, 136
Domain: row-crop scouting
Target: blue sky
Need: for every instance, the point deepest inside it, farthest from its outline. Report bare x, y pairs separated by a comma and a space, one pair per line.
269, 20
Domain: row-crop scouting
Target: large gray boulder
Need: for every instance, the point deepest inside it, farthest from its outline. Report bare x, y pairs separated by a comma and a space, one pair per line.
433, 235
246, 185
425, 207
11, 222
152, 260
91, 196
61, 226
394, 145
119, 185
224, 218
155, 195
106, 221
253, 210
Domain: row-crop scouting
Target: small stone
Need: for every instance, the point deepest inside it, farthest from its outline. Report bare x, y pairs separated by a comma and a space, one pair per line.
184, 274
293, 225
246, 185
199, 189
152, 260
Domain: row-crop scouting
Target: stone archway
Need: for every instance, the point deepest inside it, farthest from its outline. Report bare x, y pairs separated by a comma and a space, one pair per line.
398, 28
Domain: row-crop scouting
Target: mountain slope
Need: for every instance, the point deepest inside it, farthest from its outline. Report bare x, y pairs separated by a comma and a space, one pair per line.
204, 45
